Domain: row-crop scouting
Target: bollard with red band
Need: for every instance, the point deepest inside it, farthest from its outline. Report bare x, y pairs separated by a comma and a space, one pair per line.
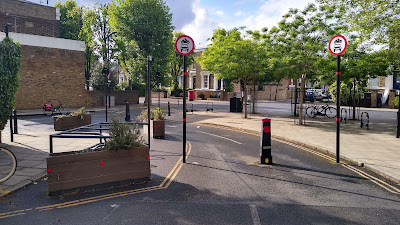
265, 154
169, 109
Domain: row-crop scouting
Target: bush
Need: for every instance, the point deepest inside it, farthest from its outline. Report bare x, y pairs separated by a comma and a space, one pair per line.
123, 136
141, 87
202, 96
177, 92
10, 66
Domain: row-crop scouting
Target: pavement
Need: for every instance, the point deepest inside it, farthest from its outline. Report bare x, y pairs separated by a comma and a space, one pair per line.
377, 148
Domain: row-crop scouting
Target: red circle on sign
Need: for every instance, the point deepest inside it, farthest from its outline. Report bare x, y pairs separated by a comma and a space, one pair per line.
102, 163
345, 44
267, 129
176, 47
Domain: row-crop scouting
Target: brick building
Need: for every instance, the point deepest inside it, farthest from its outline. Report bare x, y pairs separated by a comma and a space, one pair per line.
52, 67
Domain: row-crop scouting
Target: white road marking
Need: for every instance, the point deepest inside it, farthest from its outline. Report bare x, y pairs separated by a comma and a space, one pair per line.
254, 215
170, 126
221, 137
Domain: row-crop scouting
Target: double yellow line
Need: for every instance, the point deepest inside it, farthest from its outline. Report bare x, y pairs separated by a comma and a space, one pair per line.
164, 185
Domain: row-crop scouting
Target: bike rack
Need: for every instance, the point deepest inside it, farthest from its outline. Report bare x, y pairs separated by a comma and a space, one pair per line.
362, 123
212, 107
341, 115
191, 109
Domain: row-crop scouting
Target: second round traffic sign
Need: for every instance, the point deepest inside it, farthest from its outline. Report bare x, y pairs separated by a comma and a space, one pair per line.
337, 44
184, 45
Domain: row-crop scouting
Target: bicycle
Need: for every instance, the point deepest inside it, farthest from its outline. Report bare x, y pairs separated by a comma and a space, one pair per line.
50, 110
8, 164
325, 110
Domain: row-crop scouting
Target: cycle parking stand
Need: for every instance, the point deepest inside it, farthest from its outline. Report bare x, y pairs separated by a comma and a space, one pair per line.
341, 115
362, 122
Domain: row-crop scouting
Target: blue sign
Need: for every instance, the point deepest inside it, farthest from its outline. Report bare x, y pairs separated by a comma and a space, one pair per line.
396, 81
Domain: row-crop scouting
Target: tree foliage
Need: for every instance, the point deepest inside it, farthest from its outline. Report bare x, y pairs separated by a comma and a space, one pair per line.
70, 20
146, 27
10, 66
232, 57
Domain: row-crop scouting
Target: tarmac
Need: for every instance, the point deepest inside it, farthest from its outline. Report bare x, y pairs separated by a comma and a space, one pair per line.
377, 149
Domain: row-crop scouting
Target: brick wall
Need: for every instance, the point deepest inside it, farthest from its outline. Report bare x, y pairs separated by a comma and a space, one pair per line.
29, 18
49, 73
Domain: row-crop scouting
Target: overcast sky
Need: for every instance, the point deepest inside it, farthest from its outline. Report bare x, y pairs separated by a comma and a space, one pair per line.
199, 18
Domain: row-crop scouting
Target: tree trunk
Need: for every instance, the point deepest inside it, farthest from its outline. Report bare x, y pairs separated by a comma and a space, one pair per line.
303, 76
245, 98
354, 99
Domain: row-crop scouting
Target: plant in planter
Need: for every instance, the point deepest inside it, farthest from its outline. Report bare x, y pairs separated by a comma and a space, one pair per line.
75, 119
157, 118
124, 157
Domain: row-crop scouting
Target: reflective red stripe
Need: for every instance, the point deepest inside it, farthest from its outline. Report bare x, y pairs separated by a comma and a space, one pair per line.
184, 120
338, 73
266, 120
337, 119
184, 73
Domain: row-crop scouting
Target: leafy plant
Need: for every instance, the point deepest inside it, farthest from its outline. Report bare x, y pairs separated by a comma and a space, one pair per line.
123, 136
10, 66
80, 112
143, 115
158, 114
202, 96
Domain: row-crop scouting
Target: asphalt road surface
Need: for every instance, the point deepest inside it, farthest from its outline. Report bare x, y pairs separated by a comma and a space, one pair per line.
221, 183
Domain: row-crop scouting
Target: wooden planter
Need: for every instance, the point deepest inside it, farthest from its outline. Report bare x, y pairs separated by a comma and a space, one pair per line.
69, 122
66, 171
158, 128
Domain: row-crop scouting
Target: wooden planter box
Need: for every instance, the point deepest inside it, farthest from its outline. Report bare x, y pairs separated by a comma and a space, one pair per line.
70, 122
66, 171
158, 128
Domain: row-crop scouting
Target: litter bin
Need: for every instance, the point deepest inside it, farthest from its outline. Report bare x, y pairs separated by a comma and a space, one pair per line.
367, 99
191, 95
235, 105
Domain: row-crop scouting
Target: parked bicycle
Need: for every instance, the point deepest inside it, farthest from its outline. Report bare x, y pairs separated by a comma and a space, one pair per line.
51, 110
8, 164
325, 110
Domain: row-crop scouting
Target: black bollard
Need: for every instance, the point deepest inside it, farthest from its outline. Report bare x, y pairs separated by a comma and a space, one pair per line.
127, 113
15, 122
266, 157
11, 128
398, 123
169, 109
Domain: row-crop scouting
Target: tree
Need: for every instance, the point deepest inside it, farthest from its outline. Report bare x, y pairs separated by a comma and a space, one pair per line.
70, 20
176, 62
300, 42
231, 57
148, 23
10, 66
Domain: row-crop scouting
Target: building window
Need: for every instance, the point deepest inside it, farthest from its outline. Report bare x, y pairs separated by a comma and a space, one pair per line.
205, 81
373, 82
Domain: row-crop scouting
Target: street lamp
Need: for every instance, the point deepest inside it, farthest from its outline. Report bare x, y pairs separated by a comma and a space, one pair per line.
106, 40
158, 76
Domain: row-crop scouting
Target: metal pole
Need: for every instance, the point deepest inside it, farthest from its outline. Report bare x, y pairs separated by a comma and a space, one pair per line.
11, 128
106, 83
338, 110
15, 122
148, 99
51, 144
159, 98
398, 119
184, 109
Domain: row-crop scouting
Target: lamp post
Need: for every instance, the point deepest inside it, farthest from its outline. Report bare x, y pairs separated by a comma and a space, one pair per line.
106, 40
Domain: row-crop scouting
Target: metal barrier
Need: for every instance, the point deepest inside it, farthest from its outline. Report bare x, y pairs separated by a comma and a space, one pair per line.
362, 122
341, 115
212, 106
169, 109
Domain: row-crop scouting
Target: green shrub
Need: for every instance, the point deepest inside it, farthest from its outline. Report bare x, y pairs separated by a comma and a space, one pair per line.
141, 87
202, 96
10, 66
155, 114
123, 136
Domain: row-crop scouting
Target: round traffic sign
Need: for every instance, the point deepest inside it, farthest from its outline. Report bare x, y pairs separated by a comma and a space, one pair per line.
337, 44
184, 45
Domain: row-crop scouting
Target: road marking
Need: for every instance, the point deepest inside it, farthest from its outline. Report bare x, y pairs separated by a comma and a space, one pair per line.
331, 159
254, 215
221, 137
164, 185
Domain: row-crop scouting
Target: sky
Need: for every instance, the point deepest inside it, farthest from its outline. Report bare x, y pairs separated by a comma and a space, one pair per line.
199, 18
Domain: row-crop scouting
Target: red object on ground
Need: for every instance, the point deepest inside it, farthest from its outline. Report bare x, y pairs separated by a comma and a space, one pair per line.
191, 95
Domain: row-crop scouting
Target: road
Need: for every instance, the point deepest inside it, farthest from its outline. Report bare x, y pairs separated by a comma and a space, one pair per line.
220, 184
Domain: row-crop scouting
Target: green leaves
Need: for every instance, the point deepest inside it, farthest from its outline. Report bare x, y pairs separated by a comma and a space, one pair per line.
10, 66
71, 19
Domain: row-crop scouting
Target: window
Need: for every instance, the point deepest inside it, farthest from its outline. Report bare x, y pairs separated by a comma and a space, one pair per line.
205, 81
373, 82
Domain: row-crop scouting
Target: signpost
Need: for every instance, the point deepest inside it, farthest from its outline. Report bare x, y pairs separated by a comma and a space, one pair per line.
184, 45
337, 45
